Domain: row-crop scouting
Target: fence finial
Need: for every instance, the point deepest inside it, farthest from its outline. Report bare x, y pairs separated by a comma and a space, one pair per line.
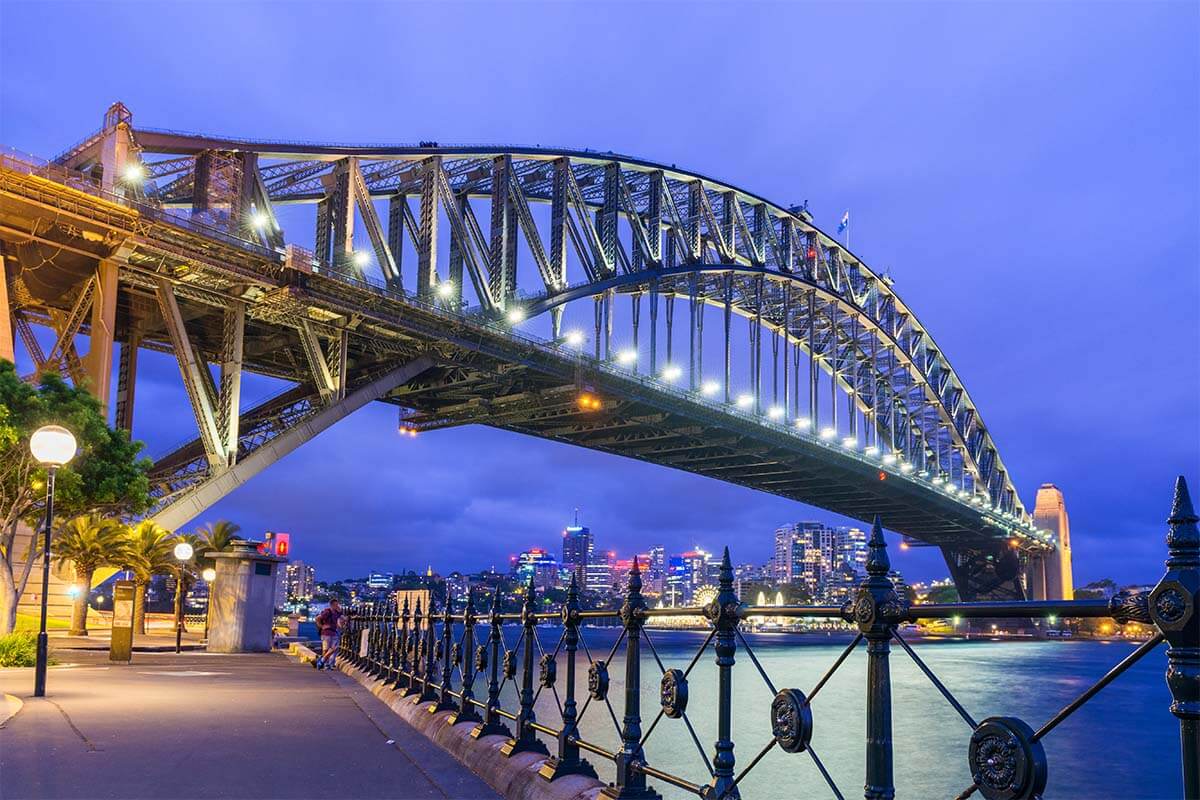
878, 562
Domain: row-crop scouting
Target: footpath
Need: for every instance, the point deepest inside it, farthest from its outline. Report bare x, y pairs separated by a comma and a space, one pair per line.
199, 725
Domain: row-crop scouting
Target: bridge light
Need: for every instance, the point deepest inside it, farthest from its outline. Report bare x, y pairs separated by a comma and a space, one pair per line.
589, 402
1052, 619
259, 220
574, 339
134, 172
710, 387
360, 258
889, 458
871, 451
829, 433
745, 400
444, 289
1013, 542
775, 412
627, 356
903, 545
803, 423
515, 315
850, 442
671, 372
937, 480
906, 468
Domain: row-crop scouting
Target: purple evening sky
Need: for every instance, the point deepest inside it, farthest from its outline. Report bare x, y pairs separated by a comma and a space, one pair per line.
1029, 172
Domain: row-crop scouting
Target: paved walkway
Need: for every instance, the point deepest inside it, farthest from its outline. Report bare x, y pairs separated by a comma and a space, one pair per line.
196, 725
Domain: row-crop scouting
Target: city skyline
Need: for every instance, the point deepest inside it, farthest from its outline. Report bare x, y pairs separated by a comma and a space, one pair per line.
957, 159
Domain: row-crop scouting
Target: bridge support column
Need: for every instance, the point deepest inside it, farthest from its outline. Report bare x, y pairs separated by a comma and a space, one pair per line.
126, 381
1050, 512
7, 349
99, 360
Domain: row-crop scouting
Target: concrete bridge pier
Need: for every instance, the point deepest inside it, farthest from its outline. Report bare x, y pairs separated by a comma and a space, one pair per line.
1049, 577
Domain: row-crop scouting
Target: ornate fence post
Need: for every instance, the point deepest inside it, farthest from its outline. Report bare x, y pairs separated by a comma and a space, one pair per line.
631, 783
364, 624
400, 677
466, 709
567, 761
445, 700
1173, 608
413, 650
428, 667
724, 612
379, 640
492, 724
877, 610
526, 740
392, 663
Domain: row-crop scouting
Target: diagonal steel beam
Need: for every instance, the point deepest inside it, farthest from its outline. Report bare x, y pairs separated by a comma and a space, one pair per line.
193, 502
190, 369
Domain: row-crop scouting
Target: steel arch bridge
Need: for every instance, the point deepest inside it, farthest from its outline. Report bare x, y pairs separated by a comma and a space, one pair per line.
688, 322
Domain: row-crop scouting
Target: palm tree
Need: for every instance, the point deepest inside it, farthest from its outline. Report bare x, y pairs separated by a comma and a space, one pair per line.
153, 551
216, 536
88, 542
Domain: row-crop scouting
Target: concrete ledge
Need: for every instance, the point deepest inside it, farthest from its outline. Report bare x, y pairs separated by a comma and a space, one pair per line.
10, 704
515, 778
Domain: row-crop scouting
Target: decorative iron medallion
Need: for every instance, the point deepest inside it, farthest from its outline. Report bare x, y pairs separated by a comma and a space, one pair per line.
481, 656
1006, 764
791, 720
510, 664
673, 693
598, 680
548, 670
1170, 605
456, 654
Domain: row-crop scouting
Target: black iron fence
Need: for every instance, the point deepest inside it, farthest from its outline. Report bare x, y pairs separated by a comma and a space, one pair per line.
417, 651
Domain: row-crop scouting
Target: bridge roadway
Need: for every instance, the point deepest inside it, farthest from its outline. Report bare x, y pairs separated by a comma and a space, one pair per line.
177, 285
213, 726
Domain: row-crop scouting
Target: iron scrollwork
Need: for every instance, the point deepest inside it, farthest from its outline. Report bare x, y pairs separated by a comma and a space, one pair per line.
791, 720
510, 665
673, 693
548, 670
1126, 607
598, 680
481, 658
1006, 762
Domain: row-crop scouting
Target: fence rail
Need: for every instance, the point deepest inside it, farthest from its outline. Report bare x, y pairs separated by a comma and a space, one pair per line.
414, 650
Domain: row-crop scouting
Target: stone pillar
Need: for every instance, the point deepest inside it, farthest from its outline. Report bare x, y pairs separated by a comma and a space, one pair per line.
242, 600
6, 321
1050, 513
99, 361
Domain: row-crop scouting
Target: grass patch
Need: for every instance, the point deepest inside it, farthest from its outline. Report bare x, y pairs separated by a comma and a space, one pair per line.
31, 622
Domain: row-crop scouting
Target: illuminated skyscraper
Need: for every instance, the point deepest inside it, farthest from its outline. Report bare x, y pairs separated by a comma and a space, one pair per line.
577, 548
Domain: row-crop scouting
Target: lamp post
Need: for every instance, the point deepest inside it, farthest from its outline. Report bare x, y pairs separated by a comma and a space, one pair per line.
183, 553
209, 576
52, 446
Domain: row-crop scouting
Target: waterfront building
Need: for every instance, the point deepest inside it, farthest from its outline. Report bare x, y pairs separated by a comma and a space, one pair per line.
380, 580
538, 564
300, 579
577, 546
814, 554
656, 568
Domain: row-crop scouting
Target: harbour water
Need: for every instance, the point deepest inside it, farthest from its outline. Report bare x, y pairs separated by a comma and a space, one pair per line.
1123, 744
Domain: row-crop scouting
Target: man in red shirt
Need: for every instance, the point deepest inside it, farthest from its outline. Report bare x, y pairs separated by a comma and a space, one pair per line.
329, 627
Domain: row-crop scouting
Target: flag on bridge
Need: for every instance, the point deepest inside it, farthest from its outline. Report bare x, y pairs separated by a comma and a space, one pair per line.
845, 223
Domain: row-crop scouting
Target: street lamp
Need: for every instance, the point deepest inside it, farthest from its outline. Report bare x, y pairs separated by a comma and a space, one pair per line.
209, 576
52, 446
183, 553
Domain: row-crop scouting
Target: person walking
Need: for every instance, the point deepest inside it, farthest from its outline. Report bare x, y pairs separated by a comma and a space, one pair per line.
329, 626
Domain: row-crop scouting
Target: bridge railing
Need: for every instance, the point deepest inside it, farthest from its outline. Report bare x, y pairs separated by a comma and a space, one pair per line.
417, 652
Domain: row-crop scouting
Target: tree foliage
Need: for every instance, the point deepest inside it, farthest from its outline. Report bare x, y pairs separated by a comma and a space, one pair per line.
107, 476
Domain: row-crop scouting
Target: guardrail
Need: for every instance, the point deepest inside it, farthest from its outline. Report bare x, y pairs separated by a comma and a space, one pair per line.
414, 650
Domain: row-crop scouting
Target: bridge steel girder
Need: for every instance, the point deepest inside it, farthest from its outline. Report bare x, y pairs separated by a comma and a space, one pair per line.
193, 502
772, 260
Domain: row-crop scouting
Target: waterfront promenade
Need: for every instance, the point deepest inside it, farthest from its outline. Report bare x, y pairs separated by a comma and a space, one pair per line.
213, 726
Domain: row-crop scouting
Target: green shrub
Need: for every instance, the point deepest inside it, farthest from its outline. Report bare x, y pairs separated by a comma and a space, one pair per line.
18, 649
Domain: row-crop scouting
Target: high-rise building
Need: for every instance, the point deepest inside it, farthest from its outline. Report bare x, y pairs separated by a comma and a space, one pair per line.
813, 554
538, 564
599, 574
300, 579
577, 545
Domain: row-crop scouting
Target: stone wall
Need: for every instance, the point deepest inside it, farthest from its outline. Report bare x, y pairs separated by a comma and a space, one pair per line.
516, 777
